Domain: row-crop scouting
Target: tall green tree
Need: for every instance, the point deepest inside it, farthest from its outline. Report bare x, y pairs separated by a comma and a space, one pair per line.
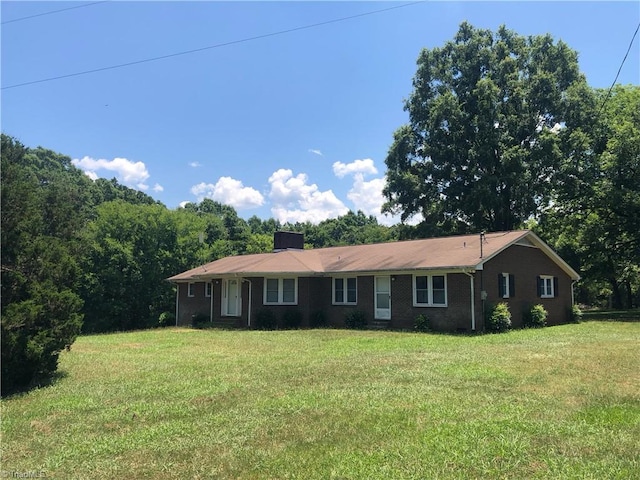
487, 117
131, 251
595, 219
43, 210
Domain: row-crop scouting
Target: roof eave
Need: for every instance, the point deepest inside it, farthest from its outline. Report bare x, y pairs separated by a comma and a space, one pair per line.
538, 242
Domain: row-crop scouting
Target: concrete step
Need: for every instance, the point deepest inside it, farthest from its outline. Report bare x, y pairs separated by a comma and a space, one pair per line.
378, 324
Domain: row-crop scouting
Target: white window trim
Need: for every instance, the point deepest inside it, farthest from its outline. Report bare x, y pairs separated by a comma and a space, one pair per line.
208, 289
507, 291
333, 291
430, 290
280, 291
191, 290
545, 293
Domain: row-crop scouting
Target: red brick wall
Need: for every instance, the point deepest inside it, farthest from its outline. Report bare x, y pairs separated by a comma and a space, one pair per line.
456, 316
526, 264
196, 305
315, 294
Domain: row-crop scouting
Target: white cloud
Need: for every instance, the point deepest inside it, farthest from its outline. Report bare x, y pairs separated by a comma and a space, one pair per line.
142, 186
158, 188
367, 195
357, 166
127, 172
316, 151
294, 200
195, 164
229, 191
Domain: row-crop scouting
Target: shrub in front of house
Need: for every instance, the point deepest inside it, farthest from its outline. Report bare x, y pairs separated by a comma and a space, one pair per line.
535, 317
499, 319
199, 320
266, 320
575, 314
356, 319
292, 319
166, 319
318, 320
421, 323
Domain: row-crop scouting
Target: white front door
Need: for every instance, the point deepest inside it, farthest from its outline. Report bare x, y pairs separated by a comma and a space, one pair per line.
383, 298
230, 298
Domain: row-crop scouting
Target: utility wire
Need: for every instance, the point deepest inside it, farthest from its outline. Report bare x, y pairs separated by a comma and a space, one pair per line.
52, 12
606, 98
233, 42
540, 122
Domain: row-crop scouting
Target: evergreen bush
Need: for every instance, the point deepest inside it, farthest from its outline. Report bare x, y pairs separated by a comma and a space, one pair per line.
575, 314
499, 319
356, 319
319, 320
292, 319
266, 320
536, 317
199, 320
422, 323
166, 319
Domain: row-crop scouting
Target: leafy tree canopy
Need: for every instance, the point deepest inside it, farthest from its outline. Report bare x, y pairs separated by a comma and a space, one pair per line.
487, 118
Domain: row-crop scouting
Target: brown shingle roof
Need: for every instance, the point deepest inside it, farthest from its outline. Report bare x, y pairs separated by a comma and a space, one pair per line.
444, 253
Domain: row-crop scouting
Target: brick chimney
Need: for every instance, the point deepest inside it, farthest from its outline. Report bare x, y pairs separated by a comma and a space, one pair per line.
288, 240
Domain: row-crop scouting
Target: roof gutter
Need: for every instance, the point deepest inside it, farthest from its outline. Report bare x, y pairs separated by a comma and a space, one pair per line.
473, 300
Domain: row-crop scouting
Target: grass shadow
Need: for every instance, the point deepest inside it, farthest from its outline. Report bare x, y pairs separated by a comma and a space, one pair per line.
43, 381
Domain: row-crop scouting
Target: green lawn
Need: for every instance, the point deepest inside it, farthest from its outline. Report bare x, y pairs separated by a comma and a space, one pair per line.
561, 402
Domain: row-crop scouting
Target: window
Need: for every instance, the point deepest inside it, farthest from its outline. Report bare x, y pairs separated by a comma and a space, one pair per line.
430, 290
190, 290
281, 291
345, 291
207, 289
421, 290
547, 286
506, 285
438, 296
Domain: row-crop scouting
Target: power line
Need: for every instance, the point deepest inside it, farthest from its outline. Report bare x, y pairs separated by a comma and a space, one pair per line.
540, 122
606, 98
52, 12
219, 45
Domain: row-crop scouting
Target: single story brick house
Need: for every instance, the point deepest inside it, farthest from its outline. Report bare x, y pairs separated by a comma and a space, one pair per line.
451, 280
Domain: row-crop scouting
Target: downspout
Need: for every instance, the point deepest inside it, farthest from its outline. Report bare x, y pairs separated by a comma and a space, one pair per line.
177, 301
250, 301
483, 296
211, 301
473, 301
573, 300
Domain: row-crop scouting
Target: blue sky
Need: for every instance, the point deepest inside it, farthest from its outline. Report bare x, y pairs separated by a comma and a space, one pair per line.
294, 126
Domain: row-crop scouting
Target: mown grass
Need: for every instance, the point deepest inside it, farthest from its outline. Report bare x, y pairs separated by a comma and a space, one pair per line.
561, 402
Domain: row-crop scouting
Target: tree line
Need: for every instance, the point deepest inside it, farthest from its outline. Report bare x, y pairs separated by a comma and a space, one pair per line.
503, 133
83, 256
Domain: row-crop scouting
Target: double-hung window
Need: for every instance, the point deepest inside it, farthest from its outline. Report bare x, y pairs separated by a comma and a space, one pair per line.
281, 291
430, 290
506, 285
191, 289
208, 287
345, 291
547, 286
